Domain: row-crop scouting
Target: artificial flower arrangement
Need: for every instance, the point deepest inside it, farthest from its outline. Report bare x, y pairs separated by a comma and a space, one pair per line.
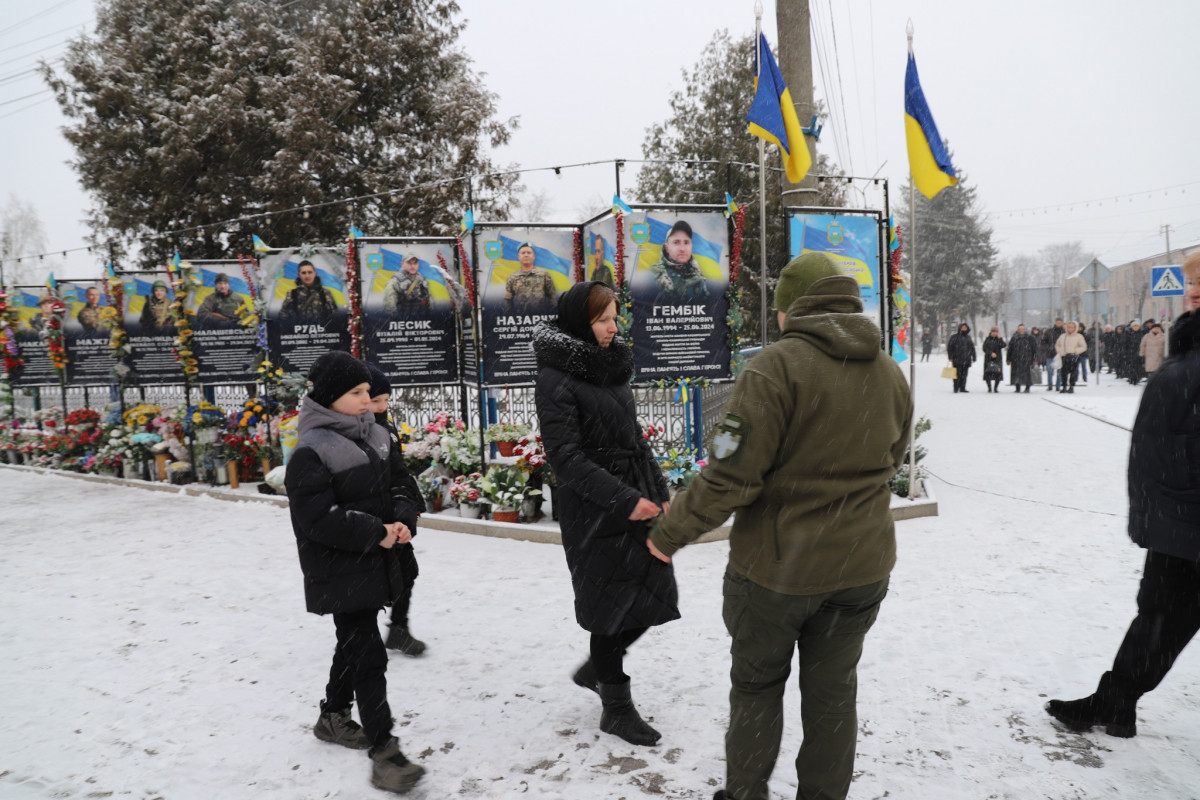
461, 452
467, 489
203, 415
531, 457
252, 413
506, 431
142, 414
505, 488
424, 447
680, 467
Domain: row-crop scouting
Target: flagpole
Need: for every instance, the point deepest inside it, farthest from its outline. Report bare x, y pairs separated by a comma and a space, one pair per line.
914, 483
762, 186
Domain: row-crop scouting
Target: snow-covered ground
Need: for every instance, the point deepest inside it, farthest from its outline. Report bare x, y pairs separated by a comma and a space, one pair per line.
156, 646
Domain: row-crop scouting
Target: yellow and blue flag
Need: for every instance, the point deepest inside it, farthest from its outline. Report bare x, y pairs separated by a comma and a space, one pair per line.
772, 116
559, 268
731, 207
619, 206
355, 233
108, 270
928, 160
468, 222
51, 284
260, 246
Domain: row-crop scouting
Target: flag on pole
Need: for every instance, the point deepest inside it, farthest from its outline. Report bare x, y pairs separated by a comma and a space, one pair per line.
108, 269
898, 351
928, 160
619, 206
772, 116
355, 233
731, 207
468, 222
260, 246
51, 284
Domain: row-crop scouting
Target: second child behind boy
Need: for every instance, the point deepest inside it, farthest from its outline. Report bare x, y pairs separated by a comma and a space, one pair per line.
341, 493
409, 505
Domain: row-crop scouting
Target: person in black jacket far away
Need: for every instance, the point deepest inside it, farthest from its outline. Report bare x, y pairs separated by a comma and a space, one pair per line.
342, 497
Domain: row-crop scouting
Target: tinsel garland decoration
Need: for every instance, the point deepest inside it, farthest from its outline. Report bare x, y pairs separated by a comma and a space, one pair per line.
53, 334
900, 305
457, 292
113, 315
733, 295
182, 281
468, 275
8, 338
579, 275
624, 296
353, 295
679, 384
249, 267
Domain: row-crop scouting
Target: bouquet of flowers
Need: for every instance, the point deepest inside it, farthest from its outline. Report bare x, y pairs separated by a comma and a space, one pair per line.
505, 431
423, 446
505, 488
681, 466
461, 452
252, 413
467, 489
141, 444
142, 414
531, 457
81, 417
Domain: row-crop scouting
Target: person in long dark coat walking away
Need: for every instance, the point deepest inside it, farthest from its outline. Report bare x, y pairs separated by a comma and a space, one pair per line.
1164, 507
993, 371
1022, 352
961, 352
926, 344
1119, 347
609, 486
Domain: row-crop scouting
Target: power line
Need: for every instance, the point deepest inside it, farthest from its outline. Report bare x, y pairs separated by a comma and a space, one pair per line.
38, 15
26, 108
23, 97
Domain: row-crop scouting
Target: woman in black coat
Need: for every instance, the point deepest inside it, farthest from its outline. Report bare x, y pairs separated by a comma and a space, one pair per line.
961, 352
993, 369
608, 487
1022, 353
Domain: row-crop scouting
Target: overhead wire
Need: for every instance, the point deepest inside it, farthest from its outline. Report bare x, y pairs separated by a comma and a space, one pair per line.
33, 17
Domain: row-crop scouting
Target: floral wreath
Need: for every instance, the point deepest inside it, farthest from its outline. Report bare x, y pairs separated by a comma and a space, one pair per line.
8, 338
183, 279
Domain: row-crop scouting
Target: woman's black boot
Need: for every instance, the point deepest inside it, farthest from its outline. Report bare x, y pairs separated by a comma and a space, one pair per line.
621, 718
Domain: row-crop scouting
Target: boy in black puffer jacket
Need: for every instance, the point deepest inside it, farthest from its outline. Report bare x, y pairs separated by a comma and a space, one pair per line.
344, 514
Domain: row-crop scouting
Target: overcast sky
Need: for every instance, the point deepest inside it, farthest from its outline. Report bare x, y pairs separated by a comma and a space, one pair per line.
1075, 120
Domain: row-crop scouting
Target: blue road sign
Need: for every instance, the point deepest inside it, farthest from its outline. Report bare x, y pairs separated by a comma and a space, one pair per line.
1166, 281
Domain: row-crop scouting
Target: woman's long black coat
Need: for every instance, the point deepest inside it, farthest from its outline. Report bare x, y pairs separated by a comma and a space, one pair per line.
1022, 352
993, 358
603, 466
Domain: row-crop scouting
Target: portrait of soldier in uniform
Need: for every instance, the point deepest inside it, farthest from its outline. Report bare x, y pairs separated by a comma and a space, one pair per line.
677, 275
309, 301
529, 290
407, 290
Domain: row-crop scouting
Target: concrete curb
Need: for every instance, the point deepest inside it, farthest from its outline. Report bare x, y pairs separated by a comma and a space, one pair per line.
543, 532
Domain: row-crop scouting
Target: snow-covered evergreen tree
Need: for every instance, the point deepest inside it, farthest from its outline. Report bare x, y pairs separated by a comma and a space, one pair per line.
192, 112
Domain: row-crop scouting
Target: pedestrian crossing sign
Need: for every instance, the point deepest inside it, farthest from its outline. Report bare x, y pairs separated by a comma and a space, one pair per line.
1166, 281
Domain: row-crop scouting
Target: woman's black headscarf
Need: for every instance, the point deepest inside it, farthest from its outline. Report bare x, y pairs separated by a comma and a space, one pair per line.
573, 317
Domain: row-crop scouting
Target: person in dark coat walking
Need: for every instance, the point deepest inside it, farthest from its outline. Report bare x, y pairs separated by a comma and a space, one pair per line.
1164, 518
926, 344
993, 372
341, 496
409, 504
609, 486
1119, 346
961, 352
1022, 353
1050, 354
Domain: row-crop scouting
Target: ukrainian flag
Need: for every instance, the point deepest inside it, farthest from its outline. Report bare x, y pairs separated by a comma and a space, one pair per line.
772, 116
393, 262
928, 160
291, 271
143, 288
559, 268
707, 254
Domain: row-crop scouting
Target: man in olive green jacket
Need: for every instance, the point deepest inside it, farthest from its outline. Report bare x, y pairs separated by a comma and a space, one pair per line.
817, 425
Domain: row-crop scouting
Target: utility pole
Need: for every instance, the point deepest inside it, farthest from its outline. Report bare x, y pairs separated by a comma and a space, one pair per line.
1166, 231
795, 64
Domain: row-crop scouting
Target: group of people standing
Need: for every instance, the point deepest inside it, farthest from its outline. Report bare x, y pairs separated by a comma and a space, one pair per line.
1065, 352
794, 418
